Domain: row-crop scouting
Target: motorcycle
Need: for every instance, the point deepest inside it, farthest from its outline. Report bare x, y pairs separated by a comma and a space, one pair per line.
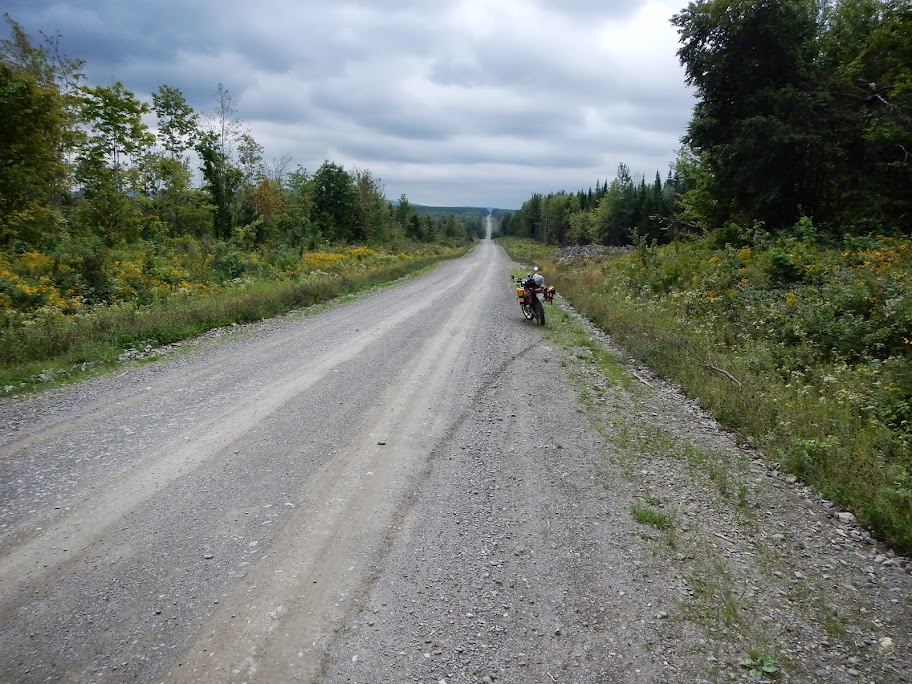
532, 294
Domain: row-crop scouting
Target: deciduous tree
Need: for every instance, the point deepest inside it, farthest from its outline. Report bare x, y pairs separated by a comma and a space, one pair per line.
335, 202
114, 134
32, 126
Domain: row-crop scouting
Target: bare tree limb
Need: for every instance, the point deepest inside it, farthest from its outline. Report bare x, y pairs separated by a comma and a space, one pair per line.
724, 373
637, 376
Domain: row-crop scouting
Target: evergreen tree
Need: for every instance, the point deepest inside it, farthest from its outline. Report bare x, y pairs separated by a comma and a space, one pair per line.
759, 124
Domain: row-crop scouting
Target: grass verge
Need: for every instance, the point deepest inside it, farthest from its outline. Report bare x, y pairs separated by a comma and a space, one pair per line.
838, 422
61, 348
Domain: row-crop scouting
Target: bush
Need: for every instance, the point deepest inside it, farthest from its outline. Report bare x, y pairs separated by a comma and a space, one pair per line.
820, 336
50, 315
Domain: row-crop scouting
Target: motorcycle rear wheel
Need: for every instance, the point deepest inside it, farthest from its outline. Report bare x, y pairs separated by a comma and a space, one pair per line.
539, 311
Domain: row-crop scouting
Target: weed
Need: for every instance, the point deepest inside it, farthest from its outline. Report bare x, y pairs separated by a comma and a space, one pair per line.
647, 515
816, 337
833, 626
715, 600
650, 516
745, 506
761, 665
50, 344
652, 500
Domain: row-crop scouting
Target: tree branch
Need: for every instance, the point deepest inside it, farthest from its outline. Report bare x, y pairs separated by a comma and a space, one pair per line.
723, 372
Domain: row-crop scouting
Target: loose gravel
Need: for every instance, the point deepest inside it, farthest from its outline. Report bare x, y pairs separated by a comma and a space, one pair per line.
421, 487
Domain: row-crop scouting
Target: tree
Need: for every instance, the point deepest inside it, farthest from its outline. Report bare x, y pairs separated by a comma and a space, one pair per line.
529, 219
37, 113
253, 172
335, 202
177, 122
402, 214
215, 147
865, 50
51, 68
250, 158
116, 130
293, 218
114, 134
177, 131
758, 126
221, 180
582, 230
374, 214
224, 121
556, 211
32, 126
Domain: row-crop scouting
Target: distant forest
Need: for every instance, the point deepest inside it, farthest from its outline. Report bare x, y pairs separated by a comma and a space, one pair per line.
804, 114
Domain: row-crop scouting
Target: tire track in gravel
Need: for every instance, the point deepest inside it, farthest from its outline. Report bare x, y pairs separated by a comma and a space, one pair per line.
40, 552
107, 537
492, 538
92, 415
506, 554
102, 415
281, 632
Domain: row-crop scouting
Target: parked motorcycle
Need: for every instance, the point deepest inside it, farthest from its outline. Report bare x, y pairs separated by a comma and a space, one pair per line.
531, 292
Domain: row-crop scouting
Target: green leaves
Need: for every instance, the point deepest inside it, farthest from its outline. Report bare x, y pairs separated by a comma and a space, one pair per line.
177, 122
612, 215
757, 121
761, 665
115, 126
801, 111
335, 201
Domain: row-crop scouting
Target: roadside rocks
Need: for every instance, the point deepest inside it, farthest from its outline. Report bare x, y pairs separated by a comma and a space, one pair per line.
803, 566
586, 251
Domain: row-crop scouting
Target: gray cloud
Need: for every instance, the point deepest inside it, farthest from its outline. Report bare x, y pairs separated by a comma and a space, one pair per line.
455, 102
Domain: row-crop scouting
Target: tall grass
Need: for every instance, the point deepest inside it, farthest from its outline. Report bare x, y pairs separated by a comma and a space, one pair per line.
42, 346
825, 390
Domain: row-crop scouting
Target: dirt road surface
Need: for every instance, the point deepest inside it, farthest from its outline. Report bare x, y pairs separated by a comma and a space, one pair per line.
420, 486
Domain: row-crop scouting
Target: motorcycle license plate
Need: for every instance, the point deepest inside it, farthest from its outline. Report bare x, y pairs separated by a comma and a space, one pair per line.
541, 296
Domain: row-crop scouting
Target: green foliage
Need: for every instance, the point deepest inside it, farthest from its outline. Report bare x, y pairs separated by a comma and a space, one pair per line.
35, 119
222, 181
177, 122
32, 126
803, 111
865, 49
820, 125
816, 336
116, 131
373, 221
648, 515
757, 121
335, 201
612, 215
52, 315
761, 665
104, 240
470, 222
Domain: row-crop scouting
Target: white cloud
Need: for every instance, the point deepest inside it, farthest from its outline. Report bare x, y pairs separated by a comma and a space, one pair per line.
455, 102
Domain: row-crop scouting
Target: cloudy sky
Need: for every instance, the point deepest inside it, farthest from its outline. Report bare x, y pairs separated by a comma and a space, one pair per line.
452, 102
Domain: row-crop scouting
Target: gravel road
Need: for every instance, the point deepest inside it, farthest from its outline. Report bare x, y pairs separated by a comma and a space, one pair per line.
420, 486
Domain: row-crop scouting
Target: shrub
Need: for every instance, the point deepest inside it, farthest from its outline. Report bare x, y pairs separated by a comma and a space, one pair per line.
819, 336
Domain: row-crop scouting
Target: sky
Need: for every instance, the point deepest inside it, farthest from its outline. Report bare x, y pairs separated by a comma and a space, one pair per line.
450, 102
